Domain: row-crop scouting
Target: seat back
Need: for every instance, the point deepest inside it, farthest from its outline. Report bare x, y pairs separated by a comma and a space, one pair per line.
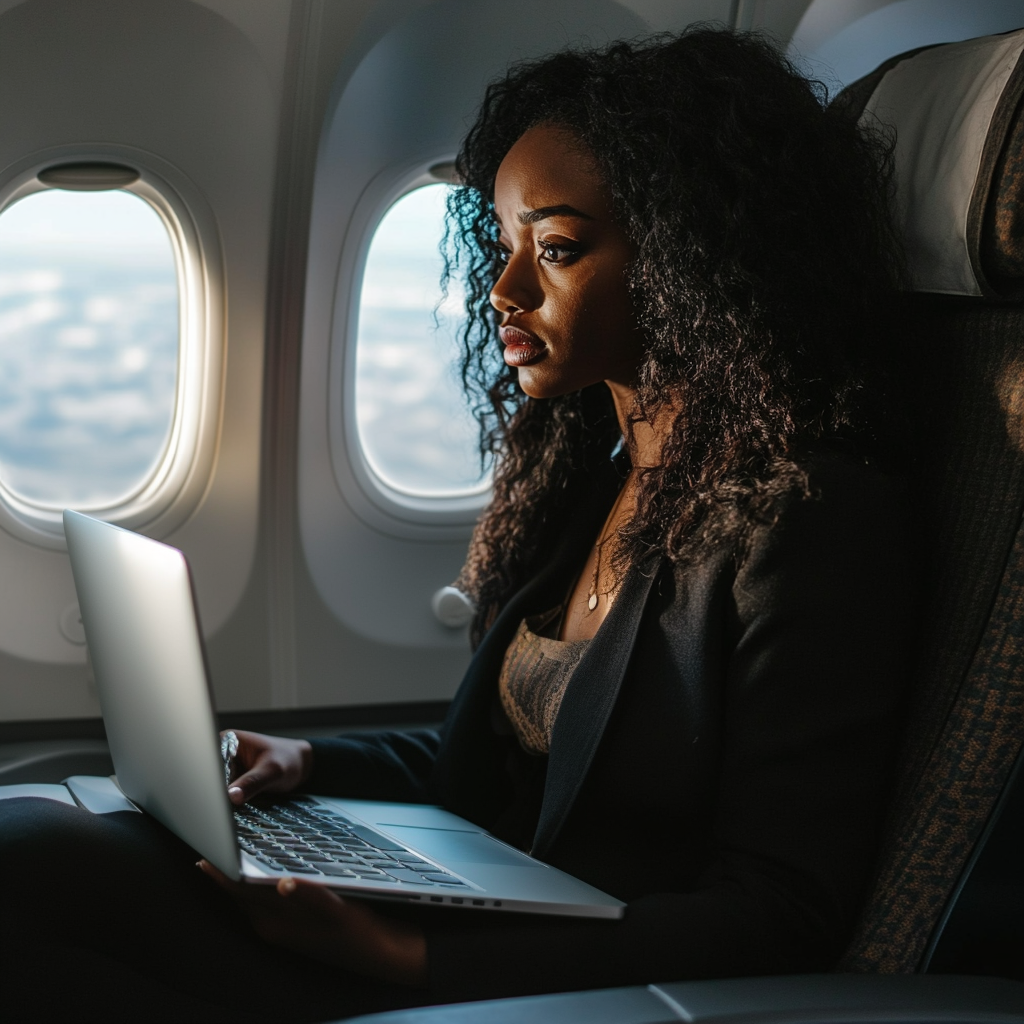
958, 357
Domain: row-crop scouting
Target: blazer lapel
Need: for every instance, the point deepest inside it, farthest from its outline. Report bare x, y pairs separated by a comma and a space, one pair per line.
588, 702
462, 779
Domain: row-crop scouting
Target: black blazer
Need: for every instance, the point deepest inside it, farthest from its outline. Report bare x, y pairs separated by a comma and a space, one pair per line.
719, 760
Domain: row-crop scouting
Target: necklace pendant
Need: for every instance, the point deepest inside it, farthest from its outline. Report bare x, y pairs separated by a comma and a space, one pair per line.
592, 602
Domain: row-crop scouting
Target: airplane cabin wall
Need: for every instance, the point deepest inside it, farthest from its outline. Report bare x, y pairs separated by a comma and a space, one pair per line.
176, 85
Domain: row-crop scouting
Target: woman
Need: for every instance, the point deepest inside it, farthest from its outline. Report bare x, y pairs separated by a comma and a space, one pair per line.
692, 581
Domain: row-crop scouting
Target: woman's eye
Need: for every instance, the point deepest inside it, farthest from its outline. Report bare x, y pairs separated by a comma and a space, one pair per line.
501, 254
557, 253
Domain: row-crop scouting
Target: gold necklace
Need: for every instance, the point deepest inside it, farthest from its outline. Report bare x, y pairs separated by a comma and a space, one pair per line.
593, 597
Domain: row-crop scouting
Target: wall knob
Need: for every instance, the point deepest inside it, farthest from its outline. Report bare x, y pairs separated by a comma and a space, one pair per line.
452, 608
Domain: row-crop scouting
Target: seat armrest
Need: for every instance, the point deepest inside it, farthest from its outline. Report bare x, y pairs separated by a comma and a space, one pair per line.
637, 1005
853, 998
794, 999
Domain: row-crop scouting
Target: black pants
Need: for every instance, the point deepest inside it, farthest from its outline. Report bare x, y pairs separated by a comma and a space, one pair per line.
107, 918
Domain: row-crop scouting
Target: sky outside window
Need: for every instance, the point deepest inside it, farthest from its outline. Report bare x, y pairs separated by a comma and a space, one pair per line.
412, 417
89, 339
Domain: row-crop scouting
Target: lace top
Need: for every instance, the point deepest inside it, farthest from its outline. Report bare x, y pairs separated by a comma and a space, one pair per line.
534, 675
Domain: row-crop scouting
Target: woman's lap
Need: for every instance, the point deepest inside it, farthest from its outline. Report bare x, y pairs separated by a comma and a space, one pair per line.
119, 895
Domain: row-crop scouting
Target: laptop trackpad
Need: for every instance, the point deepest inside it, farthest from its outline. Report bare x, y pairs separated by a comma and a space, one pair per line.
446, 845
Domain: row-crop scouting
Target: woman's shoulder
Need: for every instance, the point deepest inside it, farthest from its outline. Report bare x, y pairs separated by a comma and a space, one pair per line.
847, 485
842, 485
851, 520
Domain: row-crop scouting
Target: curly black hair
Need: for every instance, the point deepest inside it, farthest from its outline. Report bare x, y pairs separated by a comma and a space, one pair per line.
765, 254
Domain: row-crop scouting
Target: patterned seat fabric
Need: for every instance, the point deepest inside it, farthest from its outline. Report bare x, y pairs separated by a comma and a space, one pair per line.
959, 359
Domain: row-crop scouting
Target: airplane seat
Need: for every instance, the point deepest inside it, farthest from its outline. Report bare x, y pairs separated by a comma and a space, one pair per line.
948, 894
957, 348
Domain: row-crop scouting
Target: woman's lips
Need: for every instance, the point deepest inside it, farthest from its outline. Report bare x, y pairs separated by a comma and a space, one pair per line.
521, 348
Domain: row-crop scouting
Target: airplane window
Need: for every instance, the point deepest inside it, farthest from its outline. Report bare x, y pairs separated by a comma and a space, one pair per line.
88, 346
414, 426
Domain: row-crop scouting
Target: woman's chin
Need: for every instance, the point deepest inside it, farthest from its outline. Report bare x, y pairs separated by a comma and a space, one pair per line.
540, 385
548, 380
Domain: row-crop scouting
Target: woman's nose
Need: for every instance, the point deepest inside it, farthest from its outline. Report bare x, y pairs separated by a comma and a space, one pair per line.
512, 292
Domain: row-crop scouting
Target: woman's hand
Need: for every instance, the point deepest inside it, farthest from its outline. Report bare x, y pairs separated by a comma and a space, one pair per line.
313, 921
268, 764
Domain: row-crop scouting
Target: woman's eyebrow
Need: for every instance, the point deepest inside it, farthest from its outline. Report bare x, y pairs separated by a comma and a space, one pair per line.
543, 212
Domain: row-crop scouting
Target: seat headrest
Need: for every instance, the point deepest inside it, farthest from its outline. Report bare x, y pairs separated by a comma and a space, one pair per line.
956, 111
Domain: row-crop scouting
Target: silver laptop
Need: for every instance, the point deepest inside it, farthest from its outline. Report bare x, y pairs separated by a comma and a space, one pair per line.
143, 635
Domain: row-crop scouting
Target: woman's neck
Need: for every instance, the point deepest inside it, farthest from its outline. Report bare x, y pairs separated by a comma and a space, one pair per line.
646, 438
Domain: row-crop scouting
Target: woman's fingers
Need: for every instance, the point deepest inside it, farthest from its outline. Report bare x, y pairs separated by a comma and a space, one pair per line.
314, 898
292, 911
266, 773
218, 876
256, 897
272, 764
208, 869
303, 894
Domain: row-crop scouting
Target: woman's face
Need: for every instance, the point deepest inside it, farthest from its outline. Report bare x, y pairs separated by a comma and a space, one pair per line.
567, 319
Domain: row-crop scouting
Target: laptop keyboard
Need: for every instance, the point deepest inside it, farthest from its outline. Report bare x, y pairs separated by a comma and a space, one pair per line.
311, 839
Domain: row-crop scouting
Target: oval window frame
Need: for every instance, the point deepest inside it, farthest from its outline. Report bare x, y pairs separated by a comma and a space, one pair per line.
172, 489
384, 506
